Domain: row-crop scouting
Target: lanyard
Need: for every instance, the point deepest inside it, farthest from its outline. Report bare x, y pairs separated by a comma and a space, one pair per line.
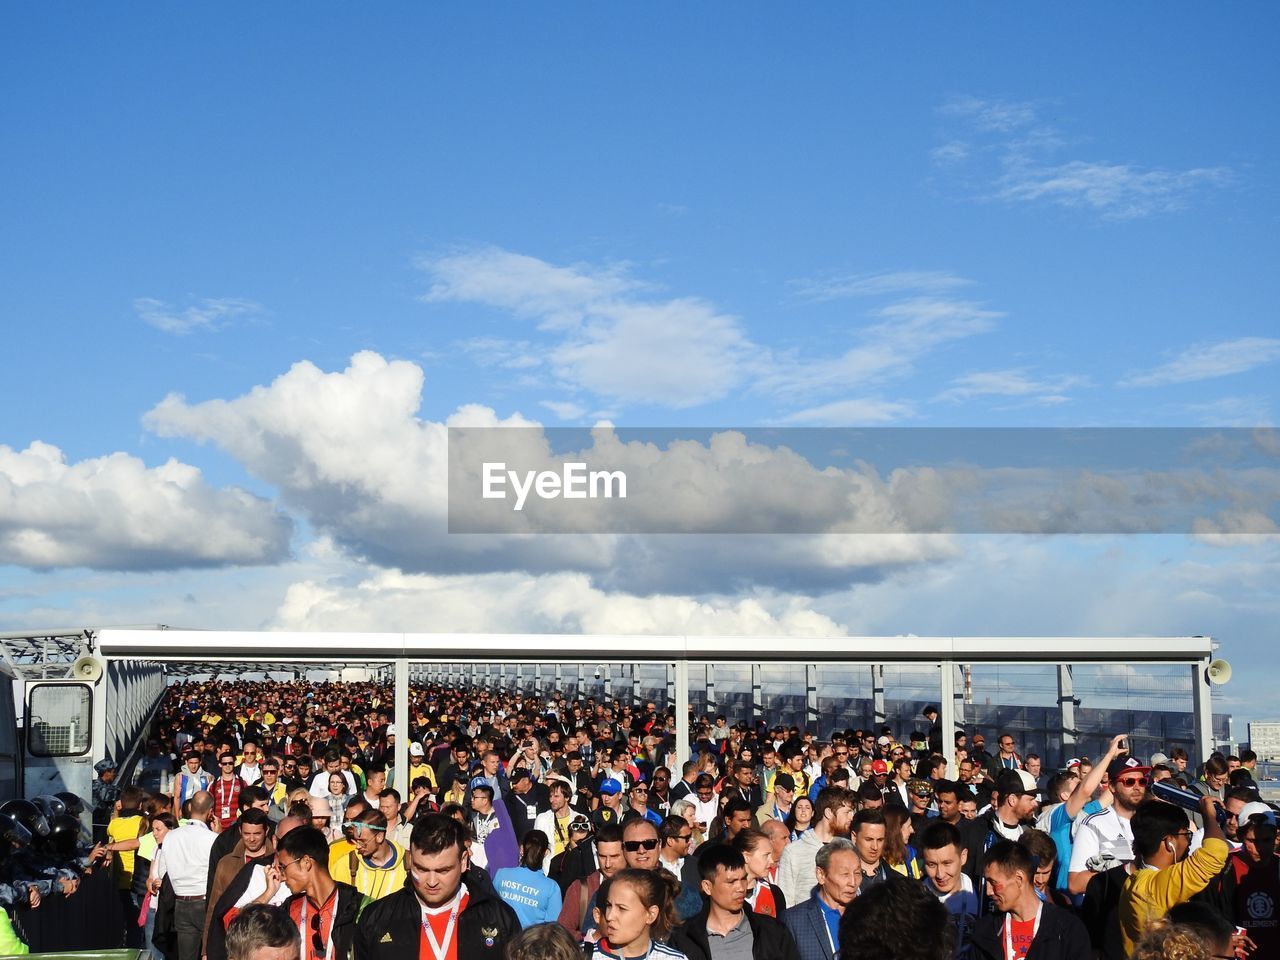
302, 926
1008, 932
439, 949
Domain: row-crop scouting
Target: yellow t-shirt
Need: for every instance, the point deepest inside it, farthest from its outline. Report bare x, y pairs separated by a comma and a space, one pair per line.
124, 828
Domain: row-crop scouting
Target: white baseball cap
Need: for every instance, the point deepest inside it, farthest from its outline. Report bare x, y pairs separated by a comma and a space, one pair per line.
415, 749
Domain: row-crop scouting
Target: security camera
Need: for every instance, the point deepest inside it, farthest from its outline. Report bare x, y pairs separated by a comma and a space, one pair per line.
597, 673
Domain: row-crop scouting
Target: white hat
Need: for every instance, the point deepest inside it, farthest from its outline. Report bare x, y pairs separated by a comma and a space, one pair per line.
1251, 809
884, 741
415, 749
391, 729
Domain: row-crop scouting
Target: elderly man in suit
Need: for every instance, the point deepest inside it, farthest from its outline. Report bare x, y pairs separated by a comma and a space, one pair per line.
815, 923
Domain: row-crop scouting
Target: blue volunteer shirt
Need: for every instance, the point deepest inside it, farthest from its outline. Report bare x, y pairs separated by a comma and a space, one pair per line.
533, 895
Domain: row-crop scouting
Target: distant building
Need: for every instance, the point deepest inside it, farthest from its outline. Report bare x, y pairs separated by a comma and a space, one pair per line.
1264, 739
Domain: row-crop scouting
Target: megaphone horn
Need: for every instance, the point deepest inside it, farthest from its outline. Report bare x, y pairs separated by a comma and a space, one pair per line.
87, 669
1219, 672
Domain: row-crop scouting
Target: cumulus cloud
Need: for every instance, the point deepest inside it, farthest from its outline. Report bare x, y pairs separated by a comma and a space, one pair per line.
115, 513
1209, 360
348, 450
552, 603
210, 313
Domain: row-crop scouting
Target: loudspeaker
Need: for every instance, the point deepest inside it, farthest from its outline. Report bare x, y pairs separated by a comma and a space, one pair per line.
87, 669
1219, 672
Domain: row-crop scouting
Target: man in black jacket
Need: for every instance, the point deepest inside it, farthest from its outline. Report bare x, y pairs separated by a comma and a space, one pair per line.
437, 909
726, 918
1024, 927
323, 910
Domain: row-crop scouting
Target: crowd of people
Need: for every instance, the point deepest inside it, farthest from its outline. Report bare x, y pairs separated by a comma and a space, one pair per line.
262, 825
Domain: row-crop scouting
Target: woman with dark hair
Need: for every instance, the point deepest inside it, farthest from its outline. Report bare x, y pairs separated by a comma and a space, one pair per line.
531, 893
800, 817
895, 921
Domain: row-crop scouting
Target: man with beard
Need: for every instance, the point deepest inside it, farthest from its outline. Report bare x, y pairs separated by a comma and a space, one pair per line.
1105, 840
1012, 806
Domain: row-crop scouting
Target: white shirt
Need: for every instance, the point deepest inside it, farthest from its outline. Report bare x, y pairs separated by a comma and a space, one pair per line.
184, 859
258, 885
1105, 832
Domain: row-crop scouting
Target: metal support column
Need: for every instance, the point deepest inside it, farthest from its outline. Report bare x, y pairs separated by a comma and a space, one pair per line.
681, 676
608, 681
671, 684
711, 690
1202, 698
811, 697
947, 715
582, 675
1067, 712
635, 686
401, 720
757, 701
878, 716
957, 673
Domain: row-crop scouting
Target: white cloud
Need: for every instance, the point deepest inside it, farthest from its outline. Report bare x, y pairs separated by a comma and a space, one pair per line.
606, 333
1208, 360
552, 603
842, 286
1008, 146
498, 352
1236, 528
565, 410
990, 116
1014, 383
844, 413
560, 296
348, 451
905, 331
115, 513
206, 314
1118, 191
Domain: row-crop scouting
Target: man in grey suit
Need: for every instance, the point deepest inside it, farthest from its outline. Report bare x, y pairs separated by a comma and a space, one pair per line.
815, 923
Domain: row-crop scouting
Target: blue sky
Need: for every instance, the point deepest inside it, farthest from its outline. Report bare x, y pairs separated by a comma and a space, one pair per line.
661, 216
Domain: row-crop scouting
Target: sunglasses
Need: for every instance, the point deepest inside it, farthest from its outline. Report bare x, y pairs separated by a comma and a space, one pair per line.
356, 827
631, 846
316, 942
1132, 781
